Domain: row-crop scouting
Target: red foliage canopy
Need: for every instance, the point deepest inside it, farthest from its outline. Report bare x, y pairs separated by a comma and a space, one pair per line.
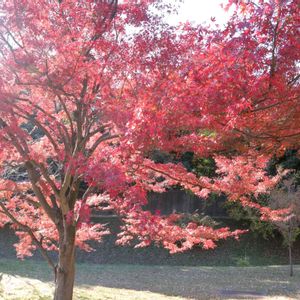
89, 88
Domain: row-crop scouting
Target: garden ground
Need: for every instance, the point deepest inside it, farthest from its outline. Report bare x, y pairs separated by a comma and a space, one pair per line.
32, 280
125, 273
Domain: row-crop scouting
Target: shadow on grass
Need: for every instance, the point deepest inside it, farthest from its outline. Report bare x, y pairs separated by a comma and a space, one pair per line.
197, 282
26, 268
193, 282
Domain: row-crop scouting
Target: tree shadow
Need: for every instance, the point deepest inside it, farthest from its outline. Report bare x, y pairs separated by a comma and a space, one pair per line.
197, 283
188, 282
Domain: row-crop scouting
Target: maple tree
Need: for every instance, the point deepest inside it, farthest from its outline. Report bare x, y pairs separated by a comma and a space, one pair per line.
89, 88
237, 98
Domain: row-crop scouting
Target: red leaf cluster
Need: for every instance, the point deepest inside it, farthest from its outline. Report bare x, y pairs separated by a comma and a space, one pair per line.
89, 90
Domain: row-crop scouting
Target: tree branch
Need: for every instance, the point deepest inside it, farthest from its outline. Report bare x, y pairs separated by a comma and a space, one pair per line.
31, 234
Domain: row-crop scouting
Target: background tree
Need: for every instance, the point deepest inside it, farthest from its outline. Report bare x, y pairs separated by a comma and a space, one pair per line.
287, 196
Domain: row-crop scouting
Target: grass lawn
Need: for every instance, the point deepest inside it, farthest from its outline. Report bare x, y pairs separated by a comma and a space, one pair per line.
22, 280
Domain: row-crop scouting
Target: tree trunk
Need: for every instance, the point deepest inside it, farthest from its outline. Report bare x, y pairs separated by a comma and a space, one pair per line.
290, 248
291, 261
65, 270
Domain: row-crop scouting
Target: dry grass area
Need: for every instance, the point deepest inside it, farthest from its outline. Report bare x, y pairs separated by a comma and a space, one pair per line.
32, 280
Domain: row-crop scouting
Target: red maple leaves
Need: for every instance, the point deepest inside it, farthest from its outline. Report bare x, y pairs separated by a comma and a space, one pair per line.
83, 103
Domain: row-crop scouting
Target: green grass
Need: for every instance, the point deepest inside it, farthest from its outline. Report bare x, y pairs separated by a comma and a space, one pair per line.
24, 280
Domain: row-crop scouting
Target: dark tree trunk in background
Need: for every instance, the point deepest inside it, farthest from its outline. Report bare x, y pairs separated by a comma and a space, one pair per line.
290, 242
291, 261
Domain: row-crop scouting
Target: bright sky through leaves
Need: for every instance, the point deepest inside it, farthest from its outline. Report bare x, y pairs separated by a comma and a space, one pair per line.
200, 11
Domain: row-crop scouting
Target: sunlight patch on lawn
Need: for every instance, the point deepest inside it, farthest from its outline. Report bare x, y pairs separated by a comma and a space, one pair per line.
22, 288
